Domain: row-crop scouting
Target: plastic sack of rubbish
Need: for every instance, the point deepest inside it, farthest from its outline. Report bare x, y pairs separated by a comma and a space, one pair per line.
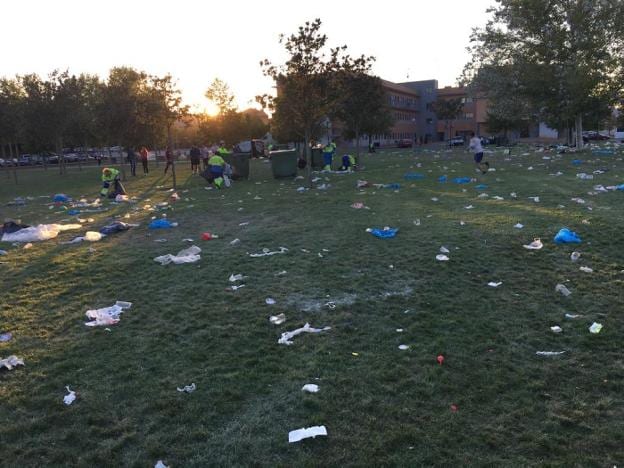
42, 232
414, 176
190, 255
565, 236
442, 178
121, 198
70, 397
306, 432
462, 180
112, 228
61, 198
535, 245
162, 223
385, 233
392, 186
620, 187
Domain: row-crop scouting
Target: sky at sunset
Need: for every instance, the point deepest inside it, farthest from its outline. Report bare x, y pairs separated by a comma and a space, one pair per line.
197, 41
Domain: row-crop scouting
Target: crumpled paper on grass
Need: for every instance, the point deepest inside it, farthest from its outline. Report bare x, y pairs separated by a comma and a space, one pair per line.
189, 255
266, 252
306, 432
11, 362
106, 315
70, 397
287, 337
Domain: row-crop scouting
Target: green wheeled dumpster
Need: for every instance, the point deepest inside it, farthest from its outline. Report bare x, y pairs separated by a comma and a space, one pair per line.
317, 158
284, 163
240, 165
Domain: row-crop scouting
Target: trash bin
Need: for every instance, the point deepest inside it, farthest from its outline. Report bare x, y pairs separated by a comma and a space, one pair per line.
284, 163
240, 165
317, 158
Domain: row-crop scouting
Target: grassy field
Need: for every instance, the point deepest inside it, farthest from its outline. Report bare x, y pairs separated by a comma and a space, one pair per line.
382, 406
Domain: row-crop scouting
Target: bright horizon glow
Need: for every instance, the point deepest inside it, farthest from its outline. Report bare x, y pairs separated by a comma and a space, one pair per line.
199, 41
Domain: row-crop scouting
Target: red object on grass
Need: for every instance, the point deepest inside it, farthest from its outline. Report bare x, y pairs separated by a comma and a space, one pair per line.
440, 359
454, 408
206, 236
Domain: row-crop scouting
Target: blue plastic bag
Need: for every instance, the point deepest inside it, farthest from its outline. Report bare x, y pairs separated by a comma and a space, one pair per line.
620, 187
414, 176
73, 212
442, 178
462, 180
565, 236
481, 187
117, 226
576, 162
61, 198
393, 186
384, 233
162, 223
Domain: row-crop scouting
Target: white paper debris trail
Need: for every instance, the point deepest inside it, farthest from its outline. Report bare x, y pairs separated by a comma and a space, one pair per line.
190, 255
287, 337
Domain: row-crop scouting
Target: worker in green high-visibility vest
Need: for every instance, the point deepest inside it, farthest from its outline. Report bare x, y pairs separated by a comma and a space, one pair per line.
110, 177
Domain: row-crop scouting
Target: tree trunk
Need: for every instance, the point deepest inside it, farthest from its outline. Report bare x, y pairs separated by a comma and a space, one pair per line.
12, 162
308, 156
15, 166
3, 152
59, 151
579, 131
169, 142
357, 146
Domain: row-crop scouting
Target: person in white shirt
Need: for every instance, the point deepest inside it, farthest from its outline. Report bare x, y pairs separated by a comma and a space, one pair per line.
477, 149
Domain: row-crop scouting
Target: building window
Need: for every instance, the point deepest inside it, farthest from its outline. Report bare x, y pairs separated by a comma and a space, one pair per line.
469, 115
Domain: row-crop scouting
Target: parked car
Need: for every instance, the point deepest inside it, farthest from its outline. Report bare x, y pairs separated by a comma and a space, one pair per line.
405, 143
488, 141
456, 141
593, 135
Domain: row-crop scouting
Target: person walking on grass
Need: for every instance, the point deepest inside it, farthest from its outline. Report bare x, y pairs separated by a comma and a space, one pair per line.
168, 158
477, 149
195, 154
132, 159
143, 155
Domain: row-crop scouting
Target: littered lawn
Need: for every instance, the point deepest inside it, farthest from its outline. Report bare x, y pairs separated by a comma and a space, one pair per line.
492, 402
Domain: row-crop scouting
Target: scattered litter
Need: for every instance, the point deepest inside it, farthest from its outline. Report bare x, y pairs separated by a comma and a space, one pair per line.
266, 252
584, 176
549, 353
359, 206
3, 252
574, 256
70, 397
42, 232
560, 288
162, 223
434, 199
572, 316
28, 246
234, 278
269, 301
277, 319
362, 184
235, 242
403, 347
444, 250
493, 284
160, 464
187, 388
235, 287
11, 362
121, 198
158, 240
440, 359
306, 432
4, 337
565, 236
61, 198
535, 245
586, 269
595, 328
442, 258
518, 226
535, 199
310, 388
414, 176
469, 207
417, 222
385, 233
556, 329
454, 408
188, 240
107, 315
462, 180
287, 336
208, 236
189, 255
281, 273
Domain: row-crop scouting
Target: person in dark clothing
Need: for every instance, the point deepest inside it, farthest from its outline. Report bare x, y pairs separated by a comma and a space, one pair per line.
132, 159
195, 154
143, 153
168, 158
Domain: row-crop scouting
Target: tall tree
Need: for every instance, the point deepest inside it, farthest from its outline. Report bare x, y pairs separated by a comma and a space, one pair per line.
11, 116
362, 104
219, 93
306, 83
567, 55
447, 110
